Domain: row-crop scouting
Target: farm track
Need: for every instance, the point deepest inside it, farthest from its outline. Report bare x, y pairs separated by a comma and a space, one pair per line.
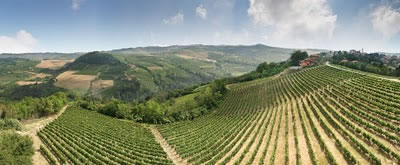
172, 154
31, 128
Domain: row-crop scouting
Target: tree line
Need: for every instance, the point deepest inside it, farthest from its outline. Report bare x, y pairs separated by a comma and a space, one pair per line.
155, 109
369, 62
30, 107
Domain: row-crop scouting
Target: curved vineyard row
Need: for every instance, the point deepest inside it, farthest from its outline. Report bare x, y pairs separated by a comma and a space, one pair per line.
320, 115
85, 137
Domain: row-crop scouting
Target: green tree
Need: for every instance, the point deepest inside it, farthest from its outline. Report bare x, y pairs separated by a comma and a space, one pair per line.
297, 56
397, 72
15, 149
123, 111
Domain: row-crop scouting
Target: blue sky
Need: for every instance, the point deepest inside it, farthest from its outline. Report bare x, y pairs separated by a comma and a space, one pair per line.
87, 25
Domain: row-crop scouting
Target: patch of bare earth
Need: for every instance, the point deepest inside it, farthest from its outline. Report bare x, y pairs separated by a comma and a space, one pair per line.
172, 154
70, 80
22, 83
99, 85
31, 128
53, 64
38, 75
153, 68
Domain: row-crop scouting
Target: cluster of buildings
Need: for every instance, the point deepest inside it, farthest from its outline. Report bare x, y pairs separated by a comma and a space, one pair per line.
311, 60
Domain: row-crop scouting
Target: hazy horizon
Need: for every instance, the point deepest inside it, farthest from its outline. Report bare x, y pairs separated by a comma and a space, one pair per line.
86, 25
198, 45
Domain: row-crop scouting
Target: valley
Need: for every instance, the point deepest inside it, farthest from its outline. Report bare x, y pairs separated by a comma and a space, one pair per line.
183, 114
309, 116
200, 82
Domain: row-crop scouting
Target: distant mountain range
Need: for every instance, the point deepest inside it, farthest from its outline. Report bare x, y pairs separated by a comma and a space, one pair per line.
254, 51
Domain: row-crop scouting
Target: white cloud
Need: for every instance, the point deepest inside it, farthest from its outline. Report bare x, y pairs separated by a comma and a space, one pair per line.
23, 42
386, 20
294, 21
76, 4
201, 12
177, 19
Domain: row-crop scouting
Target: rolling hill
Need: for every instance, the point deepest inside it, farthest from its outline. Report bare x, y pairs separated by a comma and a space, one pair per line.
319, 115
136, 73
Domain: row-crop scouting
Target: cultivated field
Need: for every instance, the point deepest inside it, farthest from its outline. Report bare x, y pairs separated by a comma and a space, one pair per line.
98, 85
320, 115
70, 80
86, 137
53, 64
38, 75
153, 68
21, 83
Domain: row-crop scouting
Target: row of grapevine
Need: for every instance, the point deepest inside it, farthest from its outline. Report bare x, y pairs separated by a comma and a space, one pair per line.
320, 115
85, 137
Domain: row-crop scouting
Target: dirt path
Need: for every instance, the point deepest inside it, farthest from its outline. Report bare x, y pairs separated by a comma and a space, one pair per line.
31, 128
172, 154
363, 73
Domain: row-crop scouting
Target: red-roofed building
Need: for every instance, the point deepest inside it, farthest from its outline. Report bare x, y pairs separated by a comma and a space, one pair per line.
309, 61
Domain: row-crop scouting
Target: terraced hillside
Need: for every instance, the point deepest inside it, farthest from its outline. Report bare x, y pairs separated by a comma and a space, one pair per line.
320, 115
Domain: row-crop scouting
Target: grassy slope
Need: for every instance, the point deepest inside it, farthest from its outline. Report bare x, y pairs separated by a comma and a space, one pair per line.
164, 68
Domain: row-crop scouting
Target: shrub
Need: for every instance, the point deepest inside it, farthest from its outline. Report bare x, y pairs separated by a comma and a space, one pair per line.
10, 124
15, 149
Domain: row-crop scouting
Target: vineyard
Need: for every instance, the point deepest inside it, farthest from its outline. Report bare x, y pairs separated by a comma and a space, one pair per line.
85, 137
320, 115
